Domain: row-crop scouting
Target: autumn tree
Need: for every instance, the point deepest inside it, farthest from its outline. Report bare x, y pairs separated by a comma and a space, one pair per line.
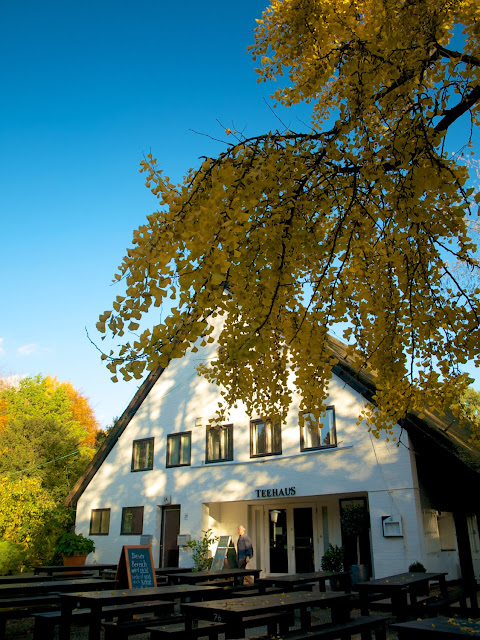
352, 223
47, 430
47, 437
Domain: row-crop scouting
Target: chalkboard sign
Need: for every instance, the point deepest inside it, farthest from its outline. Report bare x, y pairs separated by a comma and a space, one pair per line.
225, 556
135, 568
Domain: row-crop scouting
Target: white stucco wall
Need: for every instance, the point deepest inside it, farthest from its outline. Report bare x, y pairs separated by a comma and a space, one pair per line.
359, 465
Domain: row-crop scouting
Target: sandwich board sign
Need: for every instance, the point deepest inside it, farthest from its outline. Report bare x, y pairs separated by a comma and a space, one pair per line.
225, 556
135, 567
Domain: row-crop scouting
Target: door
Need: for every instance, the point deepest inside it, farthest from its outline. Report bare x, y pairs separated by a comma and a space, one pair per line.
303, 540
291, 540
169, 536
472, 523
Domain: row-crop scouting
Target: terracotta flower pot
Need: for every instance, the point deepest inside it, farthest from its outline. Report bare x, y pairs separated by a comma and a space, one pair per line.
76, 560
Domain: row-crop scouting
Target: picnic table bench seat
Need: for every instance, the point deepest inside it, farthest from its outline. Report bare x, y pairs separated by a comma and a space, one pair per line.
250, 590
23, 607
436, 605
46, 621
275, 622
363, 625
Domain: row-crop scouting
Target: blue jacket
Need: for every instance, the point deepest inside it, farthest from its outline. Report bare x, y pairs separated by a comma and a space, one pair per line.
244, 547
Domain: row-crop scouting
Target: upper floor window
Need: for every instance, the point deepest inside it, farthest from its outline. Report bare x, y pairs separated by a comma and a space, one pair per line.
318, 433
265, 437
132, 521
219, 443
100, 522
142, 454
178, 449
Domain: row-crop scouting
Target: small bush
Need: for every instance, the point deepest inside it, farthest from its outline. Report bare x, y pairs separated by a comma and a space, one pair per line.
200, 548
417, 567
72, 543
333, 558
12, 558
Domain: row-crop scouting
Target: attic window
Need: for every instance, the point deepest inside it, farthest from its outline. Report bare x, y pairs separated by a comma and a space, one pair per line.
142, 454
318, 433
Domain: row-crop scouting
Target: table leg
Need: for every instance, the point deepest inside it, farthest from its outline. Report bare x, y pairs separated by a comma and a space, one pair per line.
400, 604
364, 608
443, 586
95, 626
65, 620
305, 618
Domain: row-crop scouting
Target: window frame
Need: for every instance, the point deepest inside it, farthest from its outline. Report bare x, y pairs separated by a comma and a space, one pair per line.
140, 513
101, 511
180, 435
276, 425
320, 426
137, 443
228, 428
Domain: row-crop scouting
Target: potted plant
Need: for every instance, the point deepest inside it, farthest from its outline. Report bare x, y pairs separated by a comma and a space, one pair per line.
74, 548
355, 521
417, 567
201, 549
333, 560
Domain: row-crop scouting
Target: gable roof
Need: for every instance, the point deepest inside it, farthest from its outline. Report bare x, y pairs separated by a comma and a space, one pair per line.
110, 441
444, 435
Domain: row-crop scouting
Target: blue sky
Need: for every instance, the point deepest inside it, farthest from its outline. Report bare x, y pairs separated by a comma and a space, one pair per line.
88, 89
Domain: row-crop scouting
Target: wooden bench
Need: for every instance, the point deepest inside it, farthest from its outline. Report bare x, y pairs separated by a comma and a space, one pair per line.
435, 605
204, 629
364, 625
24, 607
45, 622
249, 590
276, 623
123, 629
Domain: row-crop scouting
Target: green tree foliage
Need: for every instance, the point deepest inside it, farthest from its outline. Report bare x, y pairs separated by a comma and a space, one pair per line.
47, 437
353, 222
470, 402
39, 435
30, 518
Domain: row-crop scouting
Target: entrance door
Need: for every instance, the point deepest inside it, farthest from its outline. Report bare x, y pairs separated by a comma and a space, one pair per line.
168, 538
304, 547
291, 540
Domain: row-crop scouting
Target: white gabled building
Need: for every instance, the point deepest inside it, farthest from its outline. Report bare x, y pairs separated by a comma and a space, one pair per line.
163, 472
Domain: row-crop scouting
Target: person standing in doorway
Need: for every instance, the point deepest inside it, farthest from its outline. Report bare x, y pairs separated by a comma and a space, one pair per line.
244, 548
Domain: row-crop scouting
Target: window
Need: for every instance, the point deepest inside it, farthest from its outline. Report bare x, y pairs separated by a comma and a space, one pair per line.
178, 449
142, 454
132, 521
100, 522
318, 434
265, 438
219, 443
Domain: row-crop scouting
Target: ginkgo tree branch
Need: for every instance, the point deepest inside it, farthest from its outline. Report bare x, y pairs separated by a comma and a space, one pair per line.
281, 236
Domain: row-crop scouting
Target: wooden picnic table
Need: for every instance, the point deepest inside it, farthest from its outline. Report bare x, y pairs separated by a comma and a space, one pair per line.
232, 611
201, 576
23, 579
441, 627
50, 570
42, 587
290, 581
166, 571
399, 587
97, 600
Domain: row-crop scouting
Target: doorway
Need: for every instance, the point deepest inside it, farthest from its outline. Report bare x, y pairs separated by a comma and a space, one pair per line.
291, 539
169, 536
